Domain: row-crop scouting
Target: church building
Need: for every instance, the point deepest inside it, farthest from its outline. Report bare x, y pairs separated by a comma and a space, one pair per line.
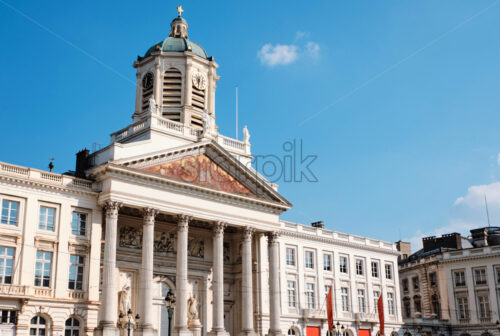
171, 229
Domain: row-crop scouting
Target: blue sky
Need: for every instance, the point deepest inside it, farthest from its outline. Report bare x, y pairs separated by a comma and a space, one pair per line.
397, 99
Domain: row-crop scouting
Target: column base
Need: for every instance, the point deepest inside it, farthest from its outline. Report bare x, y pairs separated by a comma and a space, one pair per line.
247, 333
145, 330
107, 329
182, 332
275, 333
218, 333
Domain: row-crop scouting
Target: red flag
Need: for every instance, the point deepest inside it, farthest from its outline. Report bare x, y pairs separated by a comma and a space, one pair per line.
380, 307
329, 308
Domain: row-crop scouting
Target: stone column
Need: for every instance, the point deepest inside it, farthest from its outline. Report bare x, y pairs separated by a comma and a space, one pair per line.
181, 279
218, 280
146, 275
109, 313
246, 284
274, 284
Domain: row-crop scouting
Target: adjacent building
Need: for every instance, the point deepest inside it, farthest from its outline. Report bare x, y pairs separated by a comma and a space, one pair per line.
172, 205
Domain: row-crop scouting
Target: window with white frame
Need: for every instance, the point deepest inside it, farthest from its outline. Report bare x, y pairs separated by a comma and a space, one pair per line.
47, 217
327, 289
291, 332
327, 262
480, 276
79, 223
291, 294
374, 269
376, 295
344, 295
388, 271
359, 267
290, 256
463, 308
43, 268
38, 326
309, 259
484, 305
343, 264
6, 263
72, 327
77, 263
310, 298
8, 316
10, 212
459, 278
361, 301
390, 303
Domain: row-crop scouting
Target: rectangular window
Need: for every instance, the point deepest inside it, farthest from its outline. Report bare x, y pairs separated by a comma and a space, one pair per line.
374, 269
291, 294
361, 301
480, 276
8, 316
388, 271
376, 295
343, 264
43, 268
498, 275
344, 293
463, 308
390, 304
459, 278
10, 212
418, 305
76, 272
407, 307
6, 263
359, 267
327, 289
290, 256
416, 284
327, 262
46, 221
405, 285
310, 299
309, 259
433, 279
484, 306
78, 223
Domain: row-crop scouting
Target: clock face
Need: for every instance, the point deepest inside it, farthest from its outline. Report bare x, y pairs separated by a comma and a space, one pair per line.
199, 81
147, 81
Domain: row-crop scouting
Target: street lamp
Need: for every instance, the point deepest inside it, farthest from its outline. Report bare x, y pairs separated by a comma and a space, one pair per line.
170, 304
338, 330
128, 322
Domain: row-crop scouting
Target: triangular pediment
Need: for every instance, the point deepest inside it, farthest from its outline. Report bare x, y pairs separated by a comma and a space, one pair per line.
206, 165
200, 170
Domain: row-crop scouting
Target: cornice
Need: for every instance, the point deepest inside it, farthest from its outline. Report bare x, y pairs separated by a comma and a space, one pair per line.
47, 186
471, 257
327, 240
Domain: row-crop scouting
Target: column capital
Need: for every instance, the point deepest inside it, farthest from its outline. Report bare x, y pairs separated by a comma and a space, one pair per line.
183, 221
247, 233
219, 227
149, 215
111, 208
272, 237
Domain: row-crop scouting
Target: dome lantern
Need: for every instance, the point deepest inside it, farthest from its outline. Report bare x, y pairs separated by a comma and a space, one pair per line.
178, 26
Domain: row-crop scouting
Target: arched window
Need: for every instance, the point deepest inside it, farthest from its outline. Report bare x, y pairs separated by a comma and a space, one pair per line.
291, 332
394, 333
72, 327
38, 326
172, 94
435, 305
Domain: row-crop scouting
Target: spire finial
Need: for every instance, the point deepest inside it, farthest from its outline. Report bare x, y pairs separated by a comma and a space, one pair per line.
180, 10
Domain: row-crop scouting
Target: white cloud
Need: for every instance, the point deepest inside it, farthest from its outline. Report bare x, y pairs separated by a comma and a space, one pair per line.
312, 49
300, 35
279, 54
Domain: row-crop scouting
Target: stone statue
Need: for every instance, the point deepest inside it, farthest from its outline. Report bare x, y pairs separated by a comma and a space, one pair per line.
205, 122
246, 134
124, 299
152, 106
193, 308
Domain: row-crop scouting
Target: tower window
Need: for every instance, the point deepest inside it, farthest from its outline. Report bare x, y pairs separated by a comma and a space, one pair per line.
172, 94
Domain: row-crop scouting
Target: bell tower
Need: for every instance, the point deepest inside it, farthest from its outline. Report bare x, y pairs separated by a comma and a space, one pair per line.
177, 80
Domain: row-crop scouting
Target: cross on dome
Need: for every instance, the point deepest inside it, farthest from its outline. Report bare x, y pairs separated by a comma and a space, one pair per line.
180, 10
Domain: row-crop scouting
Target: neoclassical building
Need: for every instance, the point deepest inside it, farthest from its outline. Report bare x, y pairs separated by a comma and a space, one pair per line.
173, 205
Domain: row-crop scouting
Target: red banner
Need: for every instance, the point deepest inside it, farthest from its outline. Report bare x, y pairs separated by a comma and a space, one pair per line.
380, 307
329, 308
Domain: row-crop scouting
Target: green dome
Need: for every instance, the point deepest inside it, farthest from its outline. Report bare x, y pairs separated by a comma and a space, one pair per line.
178, 44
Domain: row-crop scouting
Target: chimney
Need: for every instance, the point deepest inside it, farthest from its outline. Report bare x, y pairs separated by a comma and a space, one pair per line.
318, 224
82, 163
450, 240
479, 237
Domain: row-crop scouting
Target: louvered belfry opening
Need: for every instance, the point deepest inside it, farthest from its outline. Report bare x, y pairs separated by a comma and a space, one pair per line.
172, 94
198, 103
146, 94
